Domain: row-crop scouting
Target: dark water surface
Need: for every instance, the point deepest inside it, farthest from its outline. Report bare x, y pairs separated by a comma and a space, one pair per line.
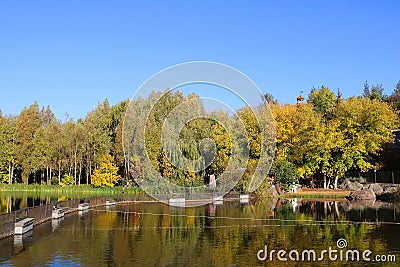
15, 201
232, 234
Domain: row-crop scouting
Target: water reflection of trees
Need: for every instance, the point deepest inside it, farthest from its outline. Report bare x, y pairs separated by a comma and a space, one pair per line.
21, 200
213, 235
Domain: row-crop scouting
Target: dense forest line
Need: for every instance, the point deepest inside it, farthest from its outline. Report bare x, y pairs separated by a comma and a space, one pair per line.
325, 134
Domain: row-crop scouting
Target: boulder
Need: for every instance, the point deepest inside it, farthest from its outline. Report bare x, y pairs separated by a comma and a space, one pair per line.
358, 185
272, 191
342, 186
348, 185
376, 188
389, 189
362, 194
360, 204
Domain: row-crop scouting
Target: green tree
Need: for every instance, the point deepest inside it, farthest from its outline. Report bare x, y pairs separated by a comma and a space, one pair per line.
98, 136
7, 146
394, 98
348, 140
363, 126
41, 154
106, 174
117, 118
74, 140
27, 123
270, 99
223, 148
253, 142
323, 100
375, 92
285, 174
397, 89
366, 91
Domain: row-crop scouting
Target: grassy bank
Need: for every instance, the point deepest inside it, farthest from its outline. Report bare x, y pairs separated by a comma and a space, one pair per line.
76, 190
318, 194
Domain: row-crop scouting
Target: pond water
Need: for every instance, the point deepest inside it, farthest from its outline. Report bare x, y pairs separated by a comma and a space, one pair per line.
12, 202
231, 234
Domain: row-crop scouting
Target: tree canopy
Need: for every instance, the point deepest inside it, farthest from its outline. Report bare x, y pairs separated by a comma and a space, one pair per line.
327, 136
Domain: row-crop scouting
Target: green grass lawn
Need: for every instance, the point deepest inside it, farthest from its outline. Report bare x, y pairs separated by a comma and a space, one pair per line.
73, 190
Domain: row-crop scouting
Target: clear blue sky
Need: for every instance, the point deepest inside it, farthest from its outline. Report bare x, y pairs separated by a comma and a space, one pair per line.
72, 54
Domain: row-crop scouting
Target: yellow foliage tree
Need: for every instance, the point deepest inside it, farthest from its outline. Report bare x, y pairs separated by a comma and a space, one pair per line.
106, 174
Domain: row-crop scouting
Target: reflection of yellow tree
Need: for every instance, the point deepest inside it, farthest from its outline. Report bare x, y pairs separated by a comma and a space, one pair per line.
3, 205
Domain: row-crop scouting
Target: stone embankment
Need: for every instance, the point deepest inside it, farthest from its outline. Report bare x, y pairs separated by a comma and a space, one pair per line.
369, 191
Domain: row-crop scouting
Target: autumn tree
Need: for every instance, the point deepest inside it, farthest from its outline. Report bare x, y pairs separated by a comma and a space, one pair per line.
348, 140
75, 137
98, 136
365, 126
301, 137
7, 146
27, 123
106, 174
117, 119
252, 143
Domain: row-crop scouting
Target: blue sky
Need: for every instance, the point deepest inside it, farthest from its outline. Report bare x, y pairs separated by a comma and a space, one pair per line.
72, 54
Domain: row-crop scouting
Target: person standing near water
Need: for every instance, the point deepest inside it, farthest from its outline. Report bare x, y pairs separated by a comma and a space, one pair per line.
212, 182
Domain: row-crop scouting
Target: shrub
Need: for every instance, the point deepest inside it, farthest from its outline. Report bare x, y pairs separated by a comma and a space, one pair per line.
3, 177
54, 181
285, 174
67, 180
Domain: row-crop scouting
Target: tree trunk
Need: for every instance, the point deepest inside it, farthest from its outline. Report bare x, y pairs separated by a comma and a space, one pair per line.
336, 181
89, 172
80, 173
325, 185
337, 209
9, 203
10, 173
59, 172
75, 167
127, 167
49, 176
